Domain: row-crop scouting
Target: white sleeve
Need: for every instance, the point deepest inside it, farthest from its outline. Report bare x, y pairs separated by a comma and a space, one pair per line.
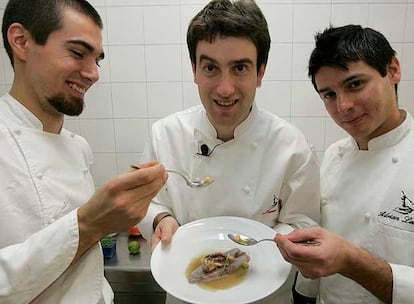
145, 226
156, 207
28, 268
403, 284
301, 190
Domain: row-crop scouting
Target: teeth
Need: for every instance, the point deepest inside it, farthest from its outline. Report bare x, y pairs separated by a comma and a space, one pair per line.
226, 103
77, 89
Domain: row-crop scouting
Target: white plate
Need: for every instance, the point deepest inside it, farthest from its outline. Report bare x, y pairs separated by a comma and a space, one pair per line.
267, 268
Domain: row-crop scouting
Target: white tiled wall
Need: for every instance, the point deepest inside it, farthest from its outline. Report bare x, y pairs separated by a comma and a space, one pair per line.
147, 74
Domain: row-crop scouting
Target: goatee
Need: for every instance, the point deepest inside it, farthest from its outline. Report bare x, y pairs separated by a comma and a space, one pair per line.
70, 106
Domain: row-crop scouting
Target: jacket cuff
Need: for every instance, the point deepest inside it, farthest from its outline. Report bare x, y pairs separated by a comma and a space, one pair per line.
403, 280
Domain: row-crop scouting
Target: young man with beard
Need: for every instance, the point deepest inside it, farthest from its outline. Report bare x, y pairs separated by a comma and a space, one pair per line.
262, 165
367, 250
51, 220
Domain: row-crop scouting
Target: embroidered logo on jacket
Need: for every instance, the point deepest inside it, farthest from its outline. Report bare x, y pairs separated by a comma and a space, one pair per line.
403, 212
275, 205
406, 205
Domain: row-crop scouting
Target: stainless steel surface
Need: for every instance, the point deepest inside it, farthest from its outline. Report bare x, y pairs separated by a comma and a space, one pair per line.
248, 241
130, 275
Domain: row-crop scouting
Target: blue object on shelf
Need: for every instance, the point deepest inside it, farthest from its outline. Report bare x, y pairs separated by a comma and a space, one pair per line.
108, 246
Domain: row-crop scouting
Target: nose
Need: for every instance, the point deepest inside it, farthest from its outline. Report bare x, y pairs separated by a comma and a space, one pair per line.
225, 87
343, 103
90, 71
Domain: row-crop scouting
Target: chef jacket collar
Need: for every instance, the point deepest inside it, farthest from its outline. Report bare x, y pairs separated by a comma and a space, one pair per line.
390, 138
18, 114
245, 125
206, 133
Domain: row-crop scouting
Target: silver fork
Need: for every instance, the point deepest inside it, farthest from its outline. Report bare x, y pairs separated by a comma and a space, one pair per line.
197, 183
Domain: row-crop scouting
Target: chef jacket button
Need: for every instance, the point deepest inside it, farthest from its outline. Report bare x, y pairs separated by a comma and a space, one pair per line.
246, 189
367, 215
85, 170
394, 160
72, 135
255, 145
39, 176
52, 221
324, 202
17, 132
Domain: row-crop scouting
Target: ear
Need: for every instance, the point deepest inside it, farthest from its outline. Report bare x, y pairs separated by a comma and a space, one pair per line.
394, 71
260, 75
18, 38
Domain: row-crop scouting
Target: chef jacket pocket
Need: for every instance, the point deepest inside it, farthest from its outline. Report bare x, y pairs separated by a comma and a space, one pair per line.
395, 221
395, 245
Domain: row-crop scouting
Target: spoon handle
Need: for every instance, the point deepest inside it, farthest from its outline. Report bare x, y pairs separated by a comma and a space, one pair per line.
308, 243
271, 240
303, 243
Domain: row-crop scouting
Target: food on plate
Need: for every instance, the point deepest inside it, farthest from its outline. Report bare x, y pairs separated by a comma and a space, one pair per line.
217, 265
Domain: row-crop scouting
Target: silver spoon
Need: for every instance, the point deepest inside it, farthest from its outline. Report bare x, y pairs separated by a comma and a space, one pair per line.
248, 241
192, 183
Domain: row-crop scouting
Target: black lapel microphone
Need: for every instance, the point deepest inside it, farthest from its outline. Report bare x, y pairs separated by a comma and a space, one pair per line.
204, 150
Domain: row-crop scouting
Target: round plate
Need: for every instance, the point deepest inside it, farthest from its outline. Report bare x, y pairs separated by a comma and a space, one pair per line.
267, 268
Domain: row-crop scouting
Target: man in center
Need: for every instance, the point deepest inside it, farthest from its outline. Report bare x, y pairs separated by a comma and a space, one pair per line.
262, 166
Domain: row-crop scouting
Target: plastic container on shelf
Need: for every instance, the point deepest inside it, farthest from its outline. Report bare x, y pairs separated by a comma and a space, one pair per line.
108, 244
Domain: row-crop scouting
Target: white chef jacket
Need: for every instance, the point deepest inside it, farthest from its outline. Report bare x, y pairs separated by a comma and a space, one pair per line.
267, 172
375, 189
44, 178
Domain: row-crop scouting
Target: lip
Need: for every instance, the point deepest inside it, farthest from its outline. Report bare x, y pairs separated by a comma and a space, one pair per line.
353, 121
76, 88
230, 103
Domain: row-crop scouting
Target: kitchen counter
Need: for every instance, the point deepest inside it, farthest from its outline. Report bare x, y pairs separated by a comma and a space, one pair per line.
130, 275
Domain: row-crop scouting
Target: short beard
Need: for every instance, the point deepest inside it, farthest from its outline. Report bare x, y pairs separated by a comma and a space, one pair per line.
69, 106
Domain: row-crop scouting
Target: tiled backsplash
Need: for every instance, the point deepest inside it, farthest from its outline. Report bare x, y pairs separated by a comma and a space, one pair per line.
147, 74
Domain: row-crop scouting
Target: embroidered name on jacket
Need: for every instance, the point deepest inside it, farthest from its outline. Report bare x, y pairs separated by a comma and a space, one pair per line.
402, 214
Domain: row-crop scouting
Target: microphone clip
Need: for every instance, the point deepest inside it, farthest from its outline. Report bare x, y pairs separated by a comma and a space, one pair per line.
205, 150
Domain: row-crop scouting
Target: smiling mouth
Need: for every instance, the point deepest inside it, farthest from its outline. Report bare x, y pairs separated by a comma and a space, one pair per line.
228, 103
77, 88
353, 121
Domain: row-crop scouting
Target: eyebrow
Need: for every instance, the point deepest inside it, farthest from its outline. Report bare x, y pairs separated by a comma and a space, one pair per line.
320, 91
239, 61
205, 57
87, 46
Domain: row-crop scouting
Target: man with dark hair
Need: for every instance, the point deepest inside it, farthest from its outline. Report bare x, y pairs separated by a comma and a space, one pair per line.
262, 165
40, 22
367, 248
51, 220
